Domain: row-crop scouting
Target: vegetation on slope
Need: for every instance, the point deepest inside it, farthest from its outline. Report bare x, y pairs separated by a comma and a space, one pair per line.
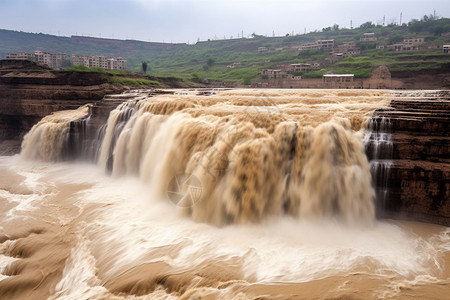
238, 60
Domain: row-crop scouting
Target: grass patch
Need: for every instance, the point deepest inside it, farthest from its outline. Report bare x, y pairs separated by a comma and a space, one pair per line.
117, 80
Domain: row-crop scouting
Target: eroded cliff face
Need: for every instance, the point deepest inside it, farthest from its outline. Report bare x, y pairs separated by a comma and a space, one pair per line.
412, 176
29, 92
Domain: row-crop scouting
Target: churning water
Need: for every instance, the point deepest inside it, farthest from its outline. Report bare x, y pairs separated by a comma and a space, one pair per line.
235, 195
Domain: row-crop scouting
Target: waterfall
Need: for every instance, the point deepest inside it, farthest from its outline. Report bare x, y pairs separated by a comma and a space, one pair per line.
379, 148
251, 161
242, 156
49, 137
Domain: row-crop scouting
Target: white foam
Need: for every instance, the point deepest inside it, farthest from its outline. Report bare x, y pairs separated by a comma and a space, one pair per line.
128, 227
282, 249
5, 261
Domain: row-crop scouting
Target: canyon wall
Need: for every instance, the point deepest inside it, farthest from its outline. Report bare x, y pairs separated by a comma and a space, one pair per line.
411, 164
28, 92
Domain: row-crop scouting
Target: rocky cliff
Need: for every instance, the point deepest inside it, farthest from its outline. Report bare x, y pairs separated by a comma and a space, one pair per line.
411, 157
29, 92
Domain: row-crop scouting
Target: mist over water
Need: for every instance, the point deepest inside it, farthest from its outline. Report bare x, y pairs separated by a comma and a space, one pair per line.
286, 206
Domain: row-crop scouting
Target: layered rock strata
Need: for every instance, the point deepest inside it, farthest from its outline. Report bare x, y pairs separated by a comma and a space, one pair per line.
411, 159
29, 92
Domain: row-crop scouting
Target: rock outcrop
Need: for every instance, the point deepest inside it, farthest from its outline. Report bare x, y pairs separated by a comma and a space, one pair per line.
28, 92
411, 162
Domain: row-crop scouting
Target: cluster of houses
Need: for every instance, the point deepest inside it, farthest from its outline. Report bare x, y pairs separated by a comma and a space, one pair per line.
408, 44
336, 53
405, 46
58, 60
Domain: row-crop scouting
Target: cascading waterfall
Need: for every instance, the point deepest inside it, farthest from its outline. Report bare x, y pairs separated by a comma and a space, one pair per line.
379, 149
262, 162
47, 139
252, 159
252, 155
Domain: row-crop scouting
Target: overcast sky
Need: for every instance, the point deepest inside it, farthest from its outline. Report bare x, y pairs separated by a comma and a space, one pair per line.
190, 20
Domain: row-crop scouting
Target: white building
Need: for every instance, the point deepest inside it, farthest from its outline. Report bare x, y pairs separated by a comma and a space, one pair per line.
368, 37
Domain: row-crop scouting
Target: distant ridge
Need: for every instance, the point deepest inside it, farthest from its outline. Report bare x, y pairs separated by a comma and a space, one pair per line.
16, 41
148, 45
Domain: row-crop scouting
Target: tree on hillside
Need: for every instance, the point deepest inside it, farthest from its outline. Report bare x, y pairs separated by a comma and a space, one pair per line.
367, 25
144, 67
210, 62
415, 26
396, 38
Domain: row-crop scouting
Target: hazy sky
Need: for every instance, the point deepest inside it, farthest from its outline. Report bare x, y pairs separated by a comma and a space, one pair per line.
190, 20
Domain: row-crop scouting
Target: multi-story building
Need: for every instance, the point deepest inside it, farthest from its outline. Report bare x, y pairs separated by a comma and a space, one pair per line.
20, 55
274, 73
101, 61
121, 63
368, 37
304, 67
56, 60
347, 49
325, 44
414, 41
45, 58
80, 60
407, 45
318, 45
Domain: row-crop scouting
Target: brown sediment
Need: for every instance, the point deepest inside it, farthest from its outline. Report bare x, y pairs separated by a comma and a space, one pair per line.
39, 241
257, 154
41, 251
148, 277
13, 183
44, 242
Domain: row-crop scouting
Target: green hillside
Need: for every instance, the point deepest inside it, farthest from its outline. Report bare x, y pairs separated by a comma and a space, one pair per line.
212, 60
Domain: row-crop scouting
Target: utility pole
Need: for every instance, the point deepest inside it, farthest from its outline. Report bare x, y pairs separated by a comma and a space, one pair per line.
351, 24
401, 15
384, 20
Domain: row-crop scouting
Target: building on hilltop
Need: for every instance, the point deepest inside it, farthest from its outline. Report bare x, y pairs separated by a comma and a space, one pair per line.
51, 60
263, 49
414, 41
407, 45
304, 67
56, 60
20, 56
117, 63
346, 49
325, 44
368, 37
446, 49
317, 45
